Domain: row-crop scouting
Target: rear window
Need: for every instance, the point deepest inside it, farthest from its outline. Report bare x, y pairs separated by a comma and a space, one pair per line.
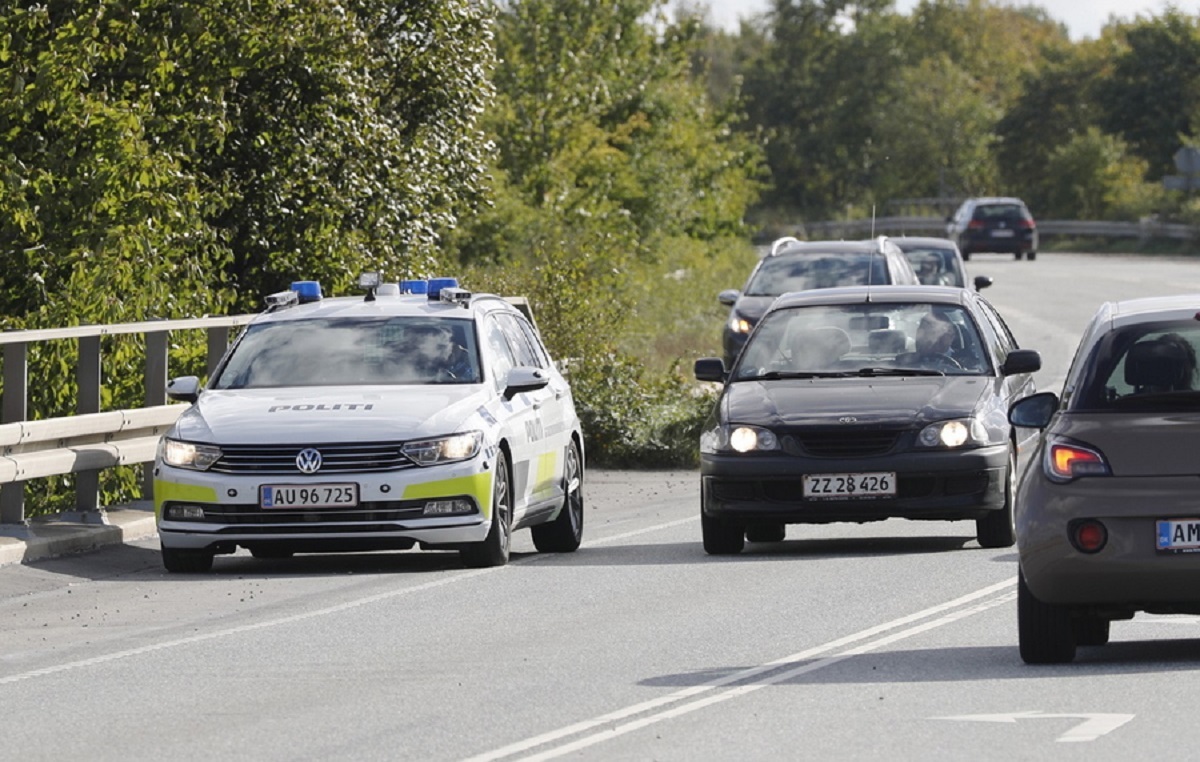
1148, 367
999, 211
781, 274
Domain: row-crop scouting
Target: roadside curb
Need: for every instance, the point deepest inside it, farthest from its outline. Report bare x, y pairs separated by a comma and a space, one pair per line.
68, 533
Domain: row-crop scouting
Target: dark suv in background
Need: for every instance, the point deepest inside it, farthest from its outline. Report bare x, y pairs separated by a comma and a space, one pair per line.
994, 223
793, 265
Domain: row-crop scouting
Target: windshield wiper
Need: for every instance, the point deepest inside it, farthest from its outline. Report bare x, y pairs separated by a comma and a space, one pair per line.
898, 372
778, 374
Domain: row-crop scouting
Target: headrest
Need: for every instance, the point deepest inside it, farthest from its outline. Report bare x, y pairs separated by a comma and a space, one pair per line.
1157, 363
887, 341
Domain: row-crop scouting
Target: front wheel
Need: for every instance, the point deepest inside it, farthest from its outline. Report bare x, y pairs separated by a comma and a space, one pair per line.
997, 529
721, 538
1044, 630
182, 561
1031, 256
493, 551
565, 532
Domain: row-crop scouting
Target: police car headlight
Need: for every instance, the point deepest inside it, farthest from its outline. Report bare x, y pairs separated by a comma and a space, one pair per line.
187, 455
432, 452
738, 324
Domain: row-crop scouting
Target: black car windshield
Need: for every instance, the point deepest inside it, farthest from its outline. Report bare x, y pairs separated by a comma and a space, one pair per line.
799, 272
869, 339
353, 352
1149, 367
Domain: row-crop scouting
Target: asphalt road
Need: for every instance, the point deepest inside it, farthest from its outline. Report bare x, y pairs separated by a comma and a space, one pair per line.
893, 639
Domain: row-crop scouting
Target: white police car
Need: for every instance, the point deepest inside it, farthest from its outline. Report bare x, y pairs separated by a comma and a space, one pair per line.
420, 414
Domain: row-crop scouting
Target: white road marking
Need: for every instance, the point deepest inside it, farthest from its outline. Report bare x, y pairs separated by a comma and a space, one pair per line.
215, 634
959, 608
1094, 725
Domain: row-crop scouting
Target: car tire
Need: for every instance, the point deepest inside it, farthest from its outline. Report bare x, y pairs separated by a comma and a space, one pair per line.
766, 532
997, 529
184, 561
494, 550
1091, 630
721, 538
1017, 255
565, 532
1045, 632
1032, 255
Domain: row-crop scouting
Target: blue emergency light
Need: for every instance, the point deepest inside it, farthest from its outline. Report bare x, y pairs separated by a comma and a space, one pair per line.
437, 284
414, 287
307, 290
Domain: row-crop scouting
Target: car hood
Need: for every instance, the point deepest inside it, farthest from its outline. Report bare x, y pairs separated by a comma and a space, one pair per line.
753, 307
369, 413
824, 401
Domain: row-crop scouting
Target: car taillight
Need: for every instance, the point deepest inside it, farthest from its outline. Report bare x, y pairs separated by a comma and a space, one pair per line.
1027, 224
1066, 461
975, 225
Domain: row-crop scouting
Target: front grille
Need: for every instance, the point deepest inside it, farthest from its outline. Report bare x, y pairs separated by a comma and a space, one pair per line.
336, 458
364, 513
850, 442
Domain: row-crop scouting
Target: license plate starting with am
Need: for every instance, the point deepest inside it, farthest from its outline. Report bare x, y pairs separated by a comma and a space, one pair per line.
1177, 536
275, 496
850, 486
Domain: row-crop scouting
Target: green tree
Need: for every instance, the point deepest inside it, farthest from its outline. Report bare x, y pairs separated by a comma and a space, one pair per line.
1153, 92
1093, 176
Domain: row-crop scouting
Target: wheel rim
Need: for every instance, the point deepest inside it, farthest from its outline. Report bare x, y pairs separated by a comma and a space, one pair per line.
574, 489
503, 511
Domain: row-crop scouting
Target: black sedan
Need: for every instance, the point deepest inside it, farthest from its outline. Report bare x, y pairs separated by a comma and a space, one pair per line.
862, 404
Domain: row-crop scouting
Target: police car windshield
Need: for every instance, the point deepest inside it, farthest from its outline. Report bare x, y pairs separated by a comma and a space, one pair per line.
353, 352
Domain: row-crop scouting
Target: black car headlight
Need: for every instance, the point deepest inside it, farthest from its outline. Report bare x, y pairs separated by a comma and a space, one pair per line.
738, 438
180, 454
960, 432
739, 324
448, 449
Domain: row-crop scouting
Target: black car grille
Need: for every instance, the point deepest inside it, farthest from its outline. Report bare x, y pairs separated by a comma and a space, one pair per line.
364, 514
335, 458
841, 443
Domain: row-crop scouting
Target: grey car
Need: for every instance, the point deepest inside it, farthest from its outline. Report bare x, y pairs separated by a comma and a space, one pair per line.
1109, 523
793, 265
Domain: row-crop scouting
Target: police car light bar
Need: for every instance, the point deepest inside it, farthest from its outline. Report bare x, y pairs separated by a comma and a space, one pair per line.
414, 287
307, 291
437, 284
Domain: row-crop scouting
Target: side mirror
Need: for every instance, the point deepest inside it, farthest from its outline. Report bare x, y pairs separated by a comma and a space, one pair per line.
524, 379
1033, 412
184, 389
982, 282
710, 369
728, 296
1021, 361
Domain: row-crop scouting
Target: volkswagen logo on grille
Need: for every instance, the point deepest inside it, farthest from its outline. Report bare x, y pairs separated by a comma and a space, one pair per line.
308, 461
843, 419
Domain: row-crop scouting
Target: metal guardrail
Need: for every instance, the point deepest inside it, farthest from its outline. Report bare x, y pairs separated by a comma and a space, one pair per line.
91, 440
936, 226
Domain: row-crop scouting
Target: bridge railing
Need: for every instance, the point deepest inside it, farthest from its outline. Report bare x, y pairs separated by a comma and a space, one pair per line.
92, 440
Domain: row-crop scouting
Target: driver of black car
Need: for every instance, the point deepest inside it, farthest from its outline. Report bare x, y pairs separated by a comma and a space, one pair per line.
935, 336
